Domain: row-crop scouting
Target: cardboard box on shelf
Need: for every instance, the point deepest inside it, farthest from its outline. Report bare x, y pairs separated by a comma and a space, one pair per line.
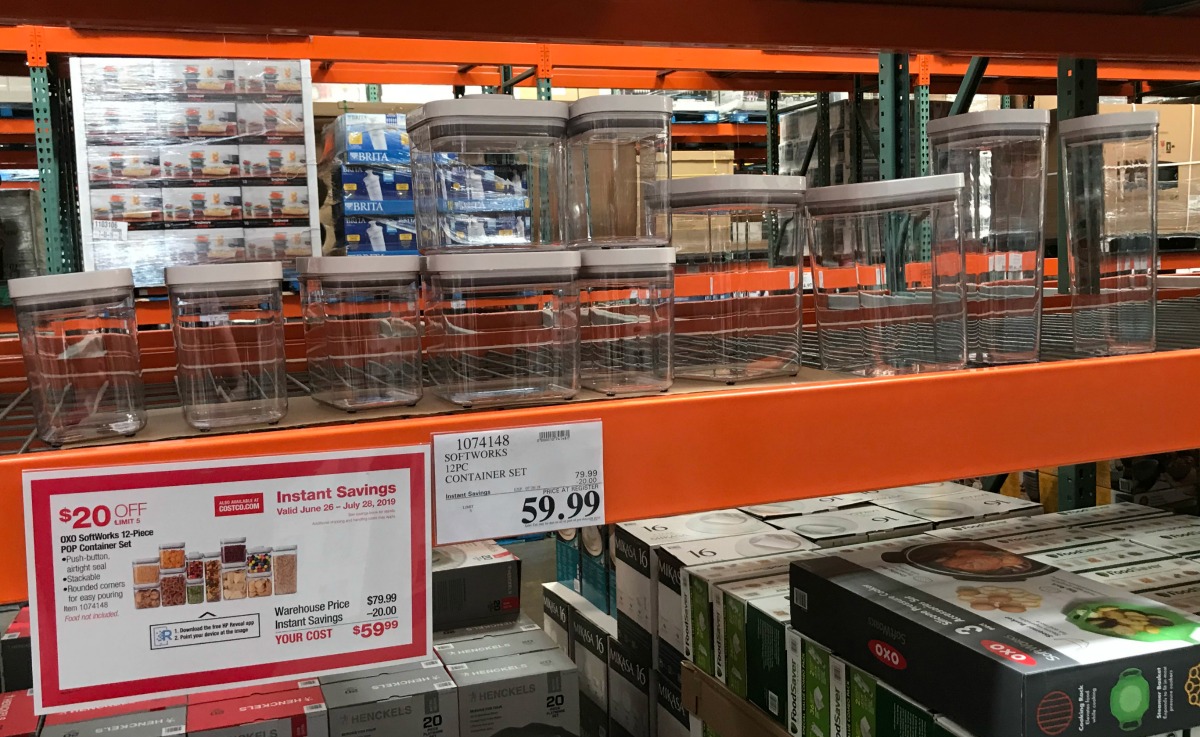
673, 720
854, 525
16, 652
558, 606
1183, 542
297, 713
1149, 575
493, 646
768, 512
541, 695
632, 691
16, 714
475, 583
1050, 644
471, 632
730, 601
1105, 514
765, 662
387, 670
638, 544
721, 712
687, 164
1105, 554
592, 633
135, 722
200, 162
420, 702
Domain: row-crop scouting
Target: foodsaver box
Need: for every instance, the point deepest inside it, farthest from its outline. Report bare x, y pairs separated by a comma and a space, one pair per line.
475, 583
875, 707
632, 691
1058, 651
637, 546
493, 646
672, 559
532, 693
1141, 525
16, 714
761, 673
997, 528
1104, 554
1185, 598
421, 703
1041, 541
1157, 574
296, 713
852, 526
699, 585
729, 620
1107, 513
1182, 541
592, 631
819, 677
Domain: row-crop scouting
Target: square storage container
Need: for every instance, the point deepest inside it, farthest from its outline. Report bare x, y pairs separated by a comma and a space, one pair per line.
503, 328
362, 330
79, 341
618, 161
626, 313
488, 173
737, 295
888, 275
228, 324
1110, 185
1002, 156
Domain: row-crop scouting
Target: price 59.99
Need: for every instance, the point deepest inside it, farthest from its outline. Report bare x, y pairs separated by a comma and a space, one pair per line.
545, 507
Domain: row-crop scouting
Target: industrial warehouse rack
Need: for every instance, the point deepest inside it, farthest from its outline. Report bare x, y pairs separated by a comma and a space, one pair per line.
698, 447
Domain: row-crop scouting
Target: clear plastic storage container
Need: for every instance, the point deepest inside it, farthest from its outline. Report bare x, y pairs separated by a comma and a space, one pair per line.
362, 329
888, 275
626, 313
488, 173
1002, 155
79, 339
503, 328
1110, 183
737, 295
228, 321
618, 160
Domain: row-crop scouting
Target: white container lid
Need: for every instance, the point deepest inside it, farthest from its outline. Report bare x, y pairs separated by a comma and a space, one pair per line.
891, 193
719, 189
489, 106
621, 104
649, 256
54, 285
988, 121
223, 274
358, 265
503, 261
1107, 123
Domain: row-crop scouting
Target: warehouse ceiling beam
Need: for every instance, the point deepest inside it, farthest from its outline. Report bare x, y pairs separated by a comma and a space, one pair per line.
466, 68
969, 86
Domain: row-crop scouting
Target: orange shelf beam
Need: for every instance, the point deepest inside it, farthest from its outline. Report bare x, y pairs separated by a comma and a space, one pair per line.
718, 132
691, 452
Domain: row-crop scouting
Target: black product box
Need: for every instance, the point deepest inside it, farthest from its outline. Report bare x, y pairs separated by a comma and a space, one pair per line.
16, 652
475, 583
1004, 645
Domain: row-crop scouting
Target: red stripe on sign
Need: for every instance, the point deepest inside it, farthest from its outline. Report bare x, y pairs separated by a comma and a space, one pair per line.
227, 506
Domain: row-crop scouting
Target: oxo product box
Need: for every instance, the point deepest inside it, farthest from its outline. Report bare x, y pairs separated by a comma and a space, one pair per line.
475, 583
415, 703
295, 713
638, 544
16, 714
528, 694
1047, 652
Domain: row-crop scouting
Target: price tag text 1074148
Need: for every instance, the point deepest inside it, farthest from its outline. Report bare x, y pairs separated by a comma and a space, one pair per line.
517, 481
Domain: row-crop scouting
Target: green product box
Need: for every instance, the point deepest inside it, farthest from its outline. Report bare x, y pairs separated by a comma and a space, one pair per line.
823, 692
795, 683
766, 655
877, 709
729, 625
698, 585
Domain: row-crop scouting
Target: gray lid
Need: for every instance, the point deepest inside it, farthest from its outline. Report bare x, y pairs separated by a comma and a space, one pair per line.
726, 189
479, 108
655, 256
1107, 124
503, 261
990, 121
222, 274
621, 104
54, 285
884, 195
358, 265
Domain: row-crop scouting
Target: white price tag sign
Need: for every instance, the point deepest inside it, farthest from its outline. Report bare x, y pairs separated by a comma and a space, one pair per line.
522, 480
110, 230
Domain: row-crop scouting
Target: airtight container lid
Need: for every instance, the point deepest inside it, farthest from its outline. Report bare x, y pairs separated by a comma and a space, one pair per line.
888, 195
490, 114
660, 256
738, 189
991, 121
55, 285
651, 113
450, 263
1107, 125
223, 274
358, 265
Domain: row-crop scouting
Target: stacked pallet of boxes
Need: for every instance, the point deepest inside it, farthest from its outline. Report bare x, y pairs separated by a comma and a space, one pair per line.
366, 176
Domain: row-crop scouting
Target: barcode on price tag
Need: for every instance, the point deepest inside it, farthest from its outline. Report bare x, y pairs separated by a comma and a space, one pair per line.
110, 230
518, 481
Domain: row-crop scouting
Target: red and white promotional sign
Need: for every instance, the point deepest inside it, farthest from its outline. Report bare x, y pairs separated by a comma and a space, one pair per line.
153, 580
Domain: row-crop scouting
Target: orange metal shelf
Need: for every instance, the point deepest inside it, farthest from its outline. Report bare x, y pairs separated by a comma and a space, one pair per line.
688, 452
